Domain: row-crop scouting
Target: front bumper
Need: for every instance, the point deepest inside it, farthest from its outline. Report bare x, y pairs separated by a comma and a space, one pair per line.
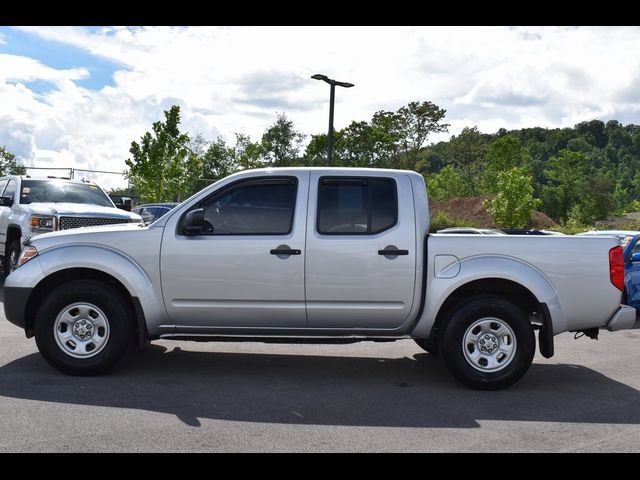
15, 304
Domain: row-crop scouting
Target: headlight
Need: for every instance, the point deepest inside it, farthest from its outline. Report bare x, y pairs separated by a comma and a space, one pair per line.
27, 254
42, 223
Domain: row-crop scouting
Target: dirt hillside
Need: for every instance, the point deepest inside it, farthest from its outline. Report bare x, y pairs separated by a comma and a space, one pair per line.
471, 210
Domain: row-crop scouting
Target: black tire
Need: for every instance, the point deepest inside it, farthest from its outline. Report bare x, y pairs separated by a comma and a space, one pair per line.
429, 345
109, 302
11, 257
477, 312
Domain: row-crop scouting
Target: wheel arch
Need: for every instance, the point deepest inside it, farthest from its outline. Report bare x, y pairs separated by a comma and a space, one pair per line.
508, 278
14, 232
61, 277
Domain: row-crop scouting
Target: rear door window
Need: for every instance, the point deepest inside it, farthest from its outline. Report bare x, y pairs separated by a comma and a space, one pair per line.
356, 205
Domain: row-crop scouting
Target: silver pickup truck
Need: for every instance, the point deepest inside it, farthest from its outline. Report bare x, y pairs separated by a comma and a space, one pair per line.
314, 255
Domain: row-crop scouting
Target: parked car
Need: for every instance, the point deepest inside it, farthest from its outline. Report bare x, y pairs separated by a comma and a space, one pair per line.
30, 206
323, 255
622, 235
471, 230
122, 202
525, 231
150, 212
632, 272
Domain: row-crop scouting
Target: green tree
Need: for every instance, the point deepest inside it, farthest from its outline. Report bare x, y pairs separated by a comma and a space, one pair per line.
447, 184
467, 152
315, 155
598, 203
247, 153
503, 154
8, 164
514, 202
414, 123
219, 160
124, 191
365, 144
389, 140
281, 143
567, 173
162, 168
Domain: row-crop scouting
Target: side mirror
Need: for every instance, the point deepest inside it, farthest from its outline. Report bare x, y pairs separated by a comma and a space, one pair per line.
635, 257
6, 201
194, 223
126, 204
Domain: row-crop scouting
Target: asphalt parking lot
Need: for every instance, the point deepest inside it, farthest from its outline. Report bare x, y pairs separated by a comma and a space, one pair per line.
366, 397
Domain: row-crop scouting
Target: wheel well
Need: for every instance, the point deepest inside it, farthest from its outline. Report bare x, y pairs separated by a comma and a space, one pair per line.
13, 233
72, 274
507, 289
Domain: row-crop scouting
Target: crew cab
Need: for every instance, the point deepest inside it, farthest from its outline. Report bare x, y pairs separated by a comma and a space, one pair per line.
314, 255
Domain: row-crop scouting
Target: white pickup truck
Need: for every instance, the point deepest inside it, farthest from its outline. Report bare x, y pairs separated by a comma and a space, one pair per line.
314, 255
30, 206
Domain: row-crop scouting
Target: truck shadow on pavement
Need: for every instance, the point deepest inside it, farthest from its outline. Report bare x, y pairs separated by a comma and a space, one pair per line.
412, 391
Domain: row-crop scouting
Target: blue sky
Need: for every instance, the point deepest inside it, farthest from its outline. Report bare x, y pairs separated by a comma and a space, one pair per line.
59, 56
78, 96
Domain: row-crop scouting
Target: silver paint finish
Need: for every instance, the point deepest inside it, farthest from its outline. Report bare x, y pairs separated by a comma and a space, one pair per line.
446, 266
233, 280
569, 274
348, 284
350, 289
128, 253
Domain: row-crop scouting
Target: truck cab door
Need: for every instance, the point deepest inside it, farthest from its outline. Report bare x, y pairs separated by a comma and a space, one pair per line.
361, 250
245, 267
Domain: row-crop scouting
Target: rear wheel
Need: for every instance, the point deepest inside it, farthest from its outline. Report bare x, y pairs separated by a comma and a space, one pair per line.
83, 327
488, 343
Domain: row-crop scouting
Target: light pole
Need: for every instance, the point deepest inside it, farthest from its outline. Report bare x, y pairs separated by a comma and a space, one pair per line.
333, 84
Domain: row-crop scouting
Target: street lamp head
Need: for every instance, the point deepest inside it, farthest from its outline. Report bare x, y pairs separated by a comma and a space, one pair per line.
333, 83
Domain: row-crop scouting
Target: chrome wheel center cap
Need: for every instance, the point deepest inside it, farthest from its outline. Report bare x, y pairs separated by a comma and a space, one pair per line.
488, 343
83, 329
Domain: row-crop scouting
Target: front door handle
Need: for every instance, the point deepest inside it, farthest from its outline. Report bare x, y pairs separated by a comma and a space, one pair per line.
392, 251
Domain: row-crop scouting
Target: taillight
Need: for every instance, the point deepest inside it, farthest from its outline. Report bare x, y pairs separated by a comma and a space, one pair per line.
616, 267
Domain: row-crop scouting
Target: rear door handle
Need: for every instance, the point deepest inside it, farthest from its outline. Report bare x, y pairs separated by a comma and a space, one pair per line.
285, 251
393, 251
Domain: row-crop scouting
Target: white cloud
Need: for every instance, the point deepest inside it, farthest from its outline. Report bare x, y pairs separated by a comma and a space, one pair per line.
235, 79
16, 68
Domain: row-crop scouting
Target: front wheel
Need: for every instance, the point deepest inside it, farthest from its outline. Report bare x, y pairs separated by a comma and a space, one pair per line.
11, 257
429, 345
488, 344
83, 327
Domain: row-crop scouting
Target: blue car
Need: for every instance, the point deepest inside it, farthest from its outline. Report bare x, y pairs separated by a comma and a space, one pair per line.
632, 272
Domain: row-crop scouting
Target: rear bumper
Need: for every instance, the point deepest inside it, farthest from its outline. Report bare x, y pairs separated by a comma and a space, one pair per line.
623, 319
15, 304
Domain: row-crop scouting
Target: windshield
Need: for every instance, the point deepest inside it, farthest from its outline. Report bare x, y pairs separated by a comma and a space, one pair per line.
61, 191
